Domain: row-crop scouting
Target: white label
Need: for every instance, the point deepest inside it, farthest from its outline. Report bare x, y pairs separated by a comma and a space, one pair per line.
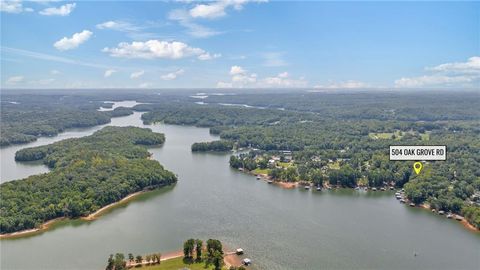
418, 152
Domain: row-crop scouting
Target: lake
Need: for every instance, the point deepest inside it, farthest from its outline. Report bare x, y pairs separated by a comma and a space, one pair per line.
277, 228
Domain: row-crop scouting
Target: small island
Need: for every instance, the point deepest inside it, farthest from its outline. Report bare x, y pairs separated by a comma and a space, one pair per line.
195, 255
87, 175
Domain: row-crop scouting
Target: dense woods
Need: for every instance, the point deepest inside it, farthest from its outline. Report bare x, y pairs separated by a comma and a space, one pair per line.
87, 174
336, 138
215, 146
26, 117
343, 139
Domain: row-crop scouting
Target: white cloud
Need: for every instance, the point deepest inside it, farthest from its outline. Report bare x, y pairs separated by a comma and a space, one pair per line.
209, 11
240, 78
64, 10
172, 75
472, 66
137, 74
194, 29
235, 70
433, 80
119, 26
283, 75
144, 85
157, 49
208, 56
133, 31
350, 84
283, 80
43, 81
459, 74
109, 72
13, 6
73, 42
14, 80
217, 9
54, 72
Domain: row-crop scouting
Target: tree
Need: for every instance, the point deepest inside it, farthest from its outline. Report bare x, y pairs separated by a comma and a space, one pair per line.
138, 259
217, 260
198, 249
188, 248
317, 177
110, 263
214, 245
120, 263
130, 257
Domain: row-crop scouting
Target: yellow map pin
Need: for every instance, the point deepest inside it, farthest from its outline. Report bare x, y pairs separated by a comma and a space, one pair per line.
417, 166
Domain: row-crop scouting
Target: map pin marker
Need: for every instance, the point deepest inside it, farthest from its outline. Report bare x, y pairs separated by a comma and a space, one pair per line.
417, 166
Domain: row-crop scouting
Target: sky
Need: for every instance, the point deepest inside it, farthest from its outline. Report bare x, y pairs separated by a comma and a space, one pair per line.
239, 44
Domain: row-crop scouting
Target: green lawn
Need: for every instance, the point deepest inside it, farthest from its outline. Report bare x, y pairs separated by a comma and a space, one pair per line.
175, 264
261, 171
425, 136
384, 136
334, 165
284, 164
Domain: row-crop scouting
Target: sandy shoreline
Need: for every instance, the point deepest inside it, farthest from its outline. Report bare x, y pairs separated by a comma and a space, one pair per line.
99, 212
45, 226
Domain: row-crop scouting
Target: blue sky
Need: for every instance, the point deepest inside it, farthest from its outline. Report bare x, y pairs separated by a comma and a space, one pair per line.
239, 43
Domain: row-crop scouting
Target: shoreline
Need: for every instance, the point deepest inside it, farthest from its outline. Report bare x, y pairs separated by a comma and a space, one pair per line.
465, 223
99, 212
93, 216
291, 185
43, 227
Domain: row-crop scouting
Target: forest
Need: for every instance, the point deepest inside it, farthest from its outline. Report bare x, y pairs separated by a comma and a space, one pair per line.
27, 117
87, 174
335, 137
343, 139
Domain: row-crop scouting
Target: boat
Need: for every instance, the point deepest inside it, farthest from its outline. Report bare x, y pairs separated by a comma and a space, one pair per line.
398, 194
382, 189
398, 197
441, 212
239, 251
433, 210
391, 188
449, 215
307, 187
258, 177
357, 188
374, 189
459, 218
403, 201
270, 181
246, 261
319, 189
412, 204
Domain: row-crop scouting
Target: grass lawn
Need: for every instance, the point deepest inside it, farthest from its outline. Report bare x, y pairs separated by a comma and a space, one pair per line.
384, 136
261, 171
175, 264
334, 165
425, 136
284, 164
